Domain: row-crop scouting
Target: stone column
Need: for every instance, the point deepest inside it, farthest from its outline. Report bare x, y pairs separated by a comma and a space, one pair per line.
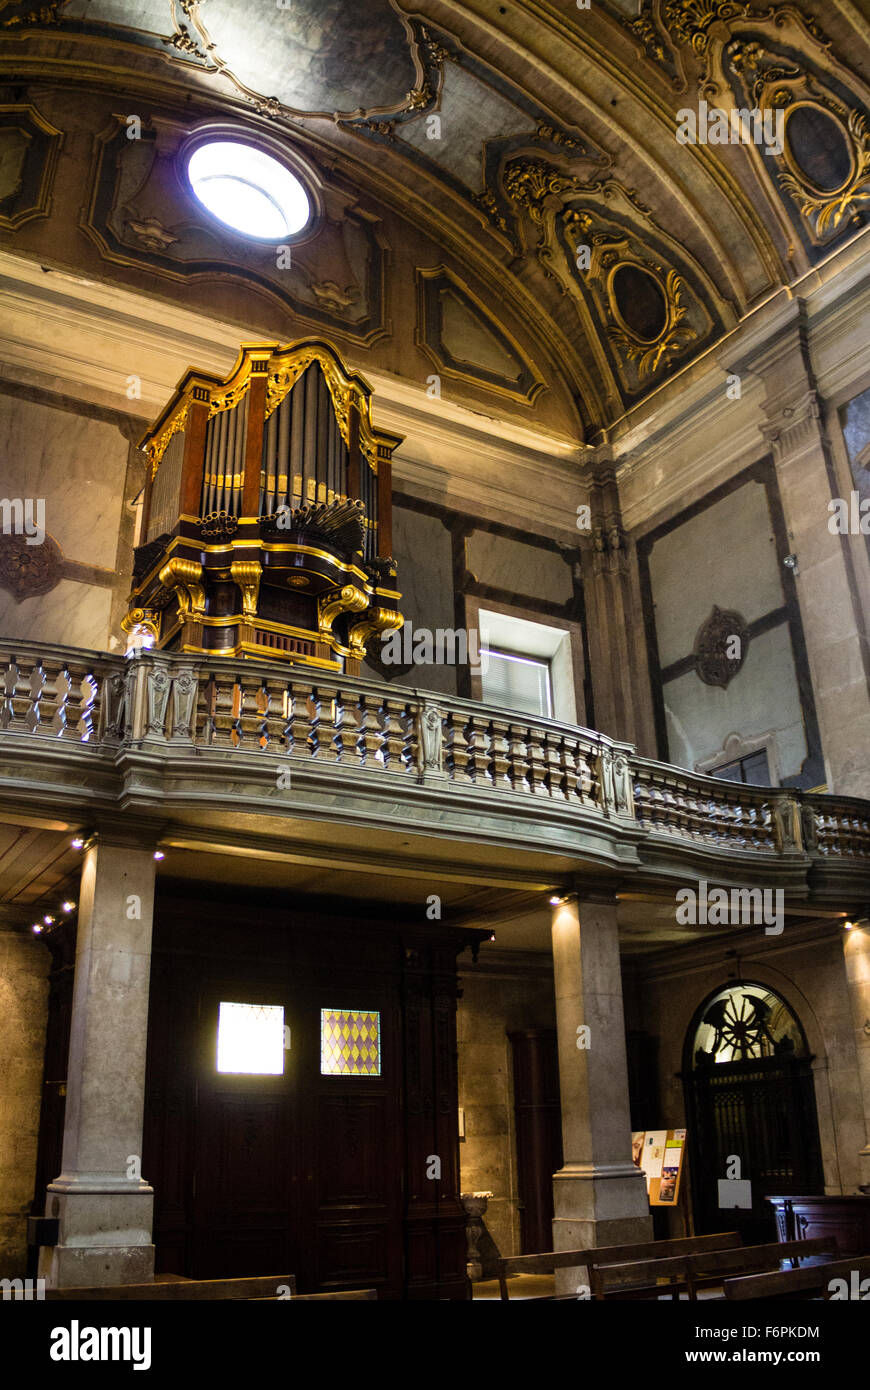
599, 1195
103, 1203
856, 951
825, 578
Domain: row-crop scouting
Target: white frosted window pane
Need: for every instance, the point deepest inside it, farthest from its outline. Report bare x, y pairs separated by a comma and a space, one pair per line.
251, 1039
516, 682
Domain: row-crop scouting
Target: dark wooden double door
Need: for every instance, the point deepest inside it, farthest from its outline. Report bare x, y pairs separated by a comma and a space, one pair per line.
297, 1172
319, 1176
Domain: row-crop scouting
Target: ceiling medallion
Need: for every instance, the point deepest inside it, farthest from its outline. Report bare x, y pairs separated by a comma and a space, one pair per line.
720, 647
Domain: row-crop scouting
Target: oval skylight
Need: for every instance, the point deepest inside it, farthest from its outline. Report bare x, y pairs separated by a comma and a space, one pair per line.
248, 190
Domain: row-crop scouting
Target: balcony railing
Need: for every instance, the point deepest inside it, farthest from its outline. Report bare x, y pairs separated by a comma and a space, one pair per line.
264, 711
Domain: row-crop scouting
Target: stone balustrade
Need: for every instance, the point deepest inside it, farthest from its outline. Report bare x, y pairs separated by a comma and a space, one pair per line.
261, 710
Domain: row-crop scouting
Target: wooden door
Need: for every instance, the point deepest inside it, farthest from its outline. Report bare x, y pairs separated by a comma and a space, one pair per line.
538, 1117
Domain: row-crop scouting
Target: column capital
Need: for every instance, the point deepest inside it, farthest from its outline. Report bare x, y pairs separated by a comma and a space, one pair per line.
792, 428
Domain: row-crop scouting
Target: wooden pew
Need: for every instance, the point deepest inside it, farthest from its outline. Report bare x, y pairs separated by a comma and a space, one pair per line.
813, 1281
609, 1254
689, 1273
345, 1294
180, 1290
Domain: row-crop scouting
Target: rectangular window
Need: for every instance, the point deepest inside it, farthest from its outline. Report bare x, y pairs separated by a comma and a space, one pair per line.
250, 1039
517, 682
350, 1042
753, 770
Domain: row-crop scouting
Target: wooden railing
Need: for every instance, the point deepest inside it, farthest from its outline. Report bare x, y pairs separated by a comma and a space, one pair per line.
263, 710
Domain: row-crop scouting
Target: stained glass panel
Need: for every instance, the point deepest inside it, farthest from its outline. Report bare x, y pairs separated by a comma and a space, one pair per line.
350, 1042
251, 1039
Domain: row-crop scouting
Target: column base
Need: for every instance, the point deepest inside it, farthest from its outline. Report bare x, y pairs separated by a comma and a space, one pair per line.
104, 1233
595, 1206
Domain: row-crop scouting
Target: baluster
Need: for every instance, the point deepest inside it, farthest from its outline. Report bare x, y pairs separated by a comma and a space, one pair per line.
456, 755
323, 725
301, 716
555, 774
10, 680
369, 741
499, 762
478, 762
347, 730
87, 691
249, 720
223, 712
394, 734
517, 758
63, 688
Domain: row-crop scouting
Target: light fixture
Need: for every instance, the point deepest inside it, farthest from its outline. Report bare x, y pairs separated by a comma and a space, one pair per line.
77, 843
848, 925
492, 936
68, 906
158, 854
37, 927
248, 190
556, 900
49, 921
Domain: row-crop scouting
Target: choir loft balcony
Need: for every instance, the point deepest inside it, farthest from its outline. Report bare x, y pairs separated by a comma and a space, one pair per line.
271, 760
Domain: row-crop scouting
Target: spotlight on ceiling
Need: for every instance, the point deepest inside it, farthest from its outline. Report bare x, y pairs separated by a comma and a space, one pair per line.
37, 927
68, 906
49, 921
158, 854
77, 843
555, 900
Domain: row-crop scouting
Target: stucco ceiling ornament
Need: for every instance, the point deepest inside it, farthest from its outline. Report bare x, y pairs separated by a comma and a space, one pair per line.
720, 647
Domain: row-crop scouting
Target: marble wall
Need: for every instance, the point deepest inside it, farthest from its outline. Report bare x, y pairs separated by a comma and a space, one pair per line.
75, 466
24, 966
497, 997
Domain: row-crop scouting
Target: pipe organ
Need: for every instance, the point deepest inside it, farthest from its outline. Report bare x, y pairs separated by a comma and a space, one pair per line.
267, 514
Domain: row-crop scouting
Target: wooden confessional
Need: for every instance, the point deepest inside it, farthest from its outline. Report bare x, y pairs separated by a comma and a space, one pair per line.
267, 514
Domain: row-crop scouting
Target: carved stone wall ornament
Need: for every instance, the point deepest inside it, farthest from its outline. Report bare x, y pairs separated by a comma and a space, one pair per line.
29, 570
720, 647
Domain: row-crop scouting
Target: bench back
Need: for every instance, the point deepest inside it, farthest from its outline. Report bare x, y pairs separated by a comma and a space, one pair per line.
610, 1254
800, 1283
695, 1270
180, 1290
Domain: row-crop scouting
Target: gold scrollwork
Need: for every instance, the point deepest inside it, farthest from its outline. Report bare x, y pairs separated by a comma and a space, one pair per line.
375, 621
185, 579
145, 619
826, 210
155, 447
347, 599
675, 335
247, 574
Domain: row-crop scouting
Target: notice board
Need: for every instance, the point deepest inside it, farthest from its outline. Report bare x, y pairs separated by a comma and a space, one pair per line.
659, 1154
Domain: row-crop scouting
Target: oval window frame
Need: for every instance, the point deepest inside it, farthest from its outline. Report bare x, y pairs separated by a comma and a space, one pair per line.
799, 173
614, 304
288, 159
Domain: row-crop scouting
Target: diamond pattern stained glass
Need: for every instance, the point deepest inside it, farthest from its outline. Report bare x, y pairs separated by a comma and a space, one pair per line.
350, 1043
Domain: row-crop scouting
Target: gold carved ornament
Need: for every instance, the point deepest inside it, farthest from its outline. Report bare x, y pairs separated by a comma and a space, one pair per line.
829, 209
247, 574
376, 620
185, 579
675, 335
347, 599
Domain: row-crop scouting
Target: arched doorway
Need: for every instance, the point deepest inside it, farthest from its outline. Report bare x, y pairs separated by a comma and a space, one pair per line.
748, 1081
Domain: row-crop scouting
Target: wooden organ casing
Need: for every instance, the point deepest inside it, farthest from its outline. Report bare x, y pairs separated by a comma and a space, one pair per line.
267, 514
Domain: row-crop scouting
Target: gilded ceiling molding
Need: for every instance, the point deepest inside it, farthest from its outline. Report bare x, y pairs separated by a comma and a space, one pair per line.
822, 161
669, 31
642, 300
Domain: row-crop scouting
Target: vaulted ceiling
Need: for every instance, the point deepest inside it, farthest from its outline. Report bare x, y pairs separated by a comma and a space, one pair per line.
535, 142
